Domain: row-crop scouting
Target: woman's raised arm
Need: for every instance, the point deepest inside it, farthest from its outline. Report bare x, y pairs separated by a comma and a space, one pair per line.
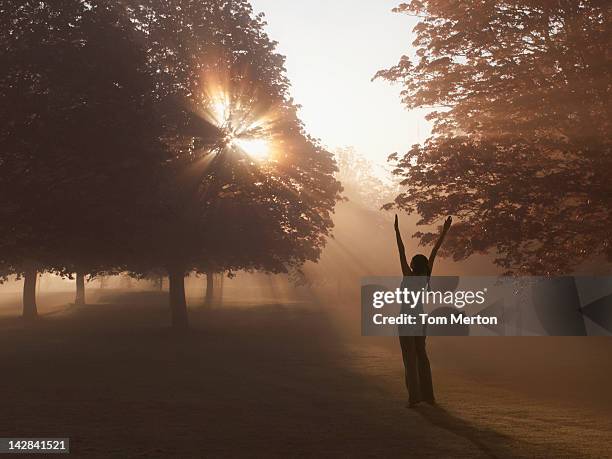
434, 251
406, 271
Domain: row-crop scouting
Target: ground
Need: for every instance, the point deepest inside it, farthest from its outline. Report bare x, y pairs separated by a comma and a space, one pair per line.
280, 380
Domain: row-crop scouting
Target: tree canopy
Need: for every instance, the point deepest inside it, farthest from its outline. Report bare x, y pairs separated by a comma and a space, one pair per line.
218, 67
146, 135
520, 151
77, 156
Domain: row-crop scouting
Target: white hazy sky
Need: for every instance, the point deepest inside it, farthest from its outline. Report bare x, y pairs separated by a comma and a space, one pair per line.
333, 49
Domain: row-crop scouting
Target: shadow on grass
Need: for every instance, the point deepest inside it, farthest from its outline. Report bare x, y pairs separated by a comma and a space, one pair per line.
133, 298
479, 436
268, 379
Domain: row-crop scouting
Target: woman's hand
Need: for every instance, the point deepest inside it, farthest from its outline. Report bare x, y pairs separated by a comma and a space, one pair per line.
447, 223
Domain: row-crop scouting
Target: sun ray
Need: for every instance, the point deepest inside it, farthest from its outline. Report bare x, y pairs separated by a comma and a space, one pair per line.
243, 129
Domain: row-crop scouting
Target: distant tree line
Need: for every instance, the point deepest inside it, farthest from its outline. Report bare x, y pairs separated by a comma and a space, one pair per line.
109, 159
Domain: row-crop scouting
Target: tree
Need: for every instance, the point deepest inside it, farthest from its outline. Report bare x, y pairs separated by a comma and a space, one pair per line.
224, 90
29, 114
362, 182
121, 167
118, 153
520, 150
74, 144
213, 291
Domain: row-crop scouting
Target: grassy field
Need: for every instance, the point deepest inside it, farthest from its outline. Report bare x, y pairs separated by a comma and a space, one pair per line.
273, 380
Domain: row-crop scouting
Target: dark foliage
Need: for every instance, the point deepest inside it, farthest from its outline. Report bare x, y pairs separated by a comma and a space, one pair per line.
521, 145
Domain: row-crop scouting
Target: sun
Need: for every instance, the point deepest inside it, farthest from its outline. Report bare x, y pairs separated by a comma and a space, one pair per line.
256, 148
242, 130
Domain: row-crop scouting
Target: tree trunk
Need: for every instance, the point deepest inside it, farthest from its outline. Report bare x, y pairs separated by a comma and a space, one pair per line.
30, 311
210, 286
219, 289
178, 305
126, 282
80, 289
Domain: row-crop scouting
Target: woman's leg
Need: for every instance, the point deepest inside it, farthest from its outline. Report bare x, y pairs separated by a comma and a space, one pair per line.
426, 383
409, 355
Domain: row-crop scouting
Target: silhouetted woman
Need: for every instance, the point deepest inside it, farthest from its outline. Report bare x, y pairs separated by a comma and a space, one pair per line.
414, 354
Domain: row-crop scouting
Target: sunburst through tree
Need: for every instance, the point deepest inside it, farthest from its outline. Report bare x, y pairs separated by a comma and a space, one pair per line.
246, 124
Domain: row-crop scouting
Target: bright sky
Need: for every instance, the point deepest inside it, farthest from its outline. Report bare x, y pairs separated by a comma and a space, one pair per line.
333, 49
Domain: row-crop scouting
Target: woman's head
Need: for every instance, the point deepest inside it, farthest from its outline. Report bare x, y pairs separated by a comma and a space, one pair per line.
420, 265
